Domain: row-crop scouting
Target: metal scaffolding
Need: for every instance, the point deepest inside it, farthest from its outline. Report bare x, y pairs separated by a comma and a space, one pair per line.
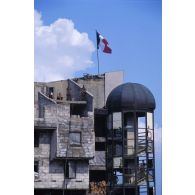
130, 159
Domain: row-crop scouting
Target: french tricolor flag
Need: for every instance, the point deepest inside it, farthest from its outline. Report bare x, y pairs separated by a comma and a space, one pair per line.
103, 43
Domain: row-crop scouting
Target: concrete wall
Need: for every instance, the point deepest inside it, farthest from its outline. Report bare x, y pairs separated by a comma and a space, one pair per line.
59, 87
41, 154
112, 80
98, 85
76, 95
101, 85
59, 117
54, 146
76, 124
38, 87
99, 159
43, 100
82, 177
51, 173
55, 126
53, 150
95, 85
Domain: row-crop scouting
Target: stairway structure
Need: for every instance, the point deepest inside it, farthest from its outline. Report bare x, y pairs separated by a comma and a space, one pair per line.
130, 141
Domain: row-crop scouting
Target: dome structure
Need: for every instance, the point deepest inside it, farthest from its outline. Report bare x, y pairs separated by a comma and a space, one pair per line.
130, 96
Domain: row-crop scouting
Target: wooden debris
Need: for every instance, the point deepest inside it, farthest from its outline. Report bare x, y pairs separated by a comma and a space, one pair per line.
98, 187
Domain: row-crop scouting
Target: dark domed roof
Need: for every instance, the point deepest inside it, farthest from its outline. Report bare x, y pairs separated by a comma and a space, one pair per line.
130, 96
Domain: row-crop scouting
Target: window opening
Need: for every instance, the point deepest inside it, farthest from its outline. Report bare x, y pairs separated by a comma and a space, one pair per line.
36, 139
70, 170
99, 146
100, 126
59, 96
75, 138
78, 109
51, 92
36, 166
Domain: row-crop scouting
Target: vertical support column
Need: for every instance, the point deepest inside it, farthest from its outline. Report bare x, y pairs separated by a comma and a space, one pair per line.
106, 151
110, 154
153, 145
136, 151
146, 130
123, 151
112, 174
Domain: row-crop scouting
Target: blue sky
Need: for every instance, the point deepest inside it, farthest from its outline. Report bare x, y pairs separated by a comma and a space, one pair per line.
133, 29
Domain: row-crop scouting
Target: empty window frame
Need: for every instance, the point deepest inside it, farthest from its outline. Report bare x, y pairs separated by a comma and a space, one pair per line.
36, 166
75, 138
100, 146
36, 139
51, 92
70, 169
78, 109
100, 125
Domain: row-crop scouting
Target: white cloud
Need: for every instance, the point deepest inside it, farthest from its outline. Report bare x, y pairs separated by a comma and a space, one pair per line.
60, 50
158, 135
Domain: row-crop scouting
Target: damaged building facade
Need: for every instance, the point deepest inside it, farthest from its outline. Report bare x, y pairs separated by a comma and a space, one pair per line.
89, 139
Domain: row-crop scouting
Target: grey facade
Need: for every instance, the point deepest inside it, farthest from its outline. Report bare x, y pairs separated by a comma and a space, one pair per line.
70, 133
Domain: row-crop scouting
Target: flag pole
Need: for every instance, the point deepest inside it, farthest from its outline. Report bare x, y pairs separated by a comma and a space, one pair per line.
97, 37
98, 61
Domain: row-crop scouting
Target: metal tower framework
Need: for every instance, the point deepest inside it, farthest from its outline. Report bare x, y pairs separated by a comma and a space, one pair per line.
130, 159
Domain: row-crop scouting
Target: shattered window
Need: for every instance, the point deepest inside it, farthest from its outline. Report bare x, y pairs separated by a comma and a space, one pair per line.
75, 138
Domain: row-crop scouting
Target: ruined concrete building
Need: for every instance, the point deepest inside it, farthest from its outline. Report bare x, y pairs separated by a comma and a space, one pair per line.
93, 135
